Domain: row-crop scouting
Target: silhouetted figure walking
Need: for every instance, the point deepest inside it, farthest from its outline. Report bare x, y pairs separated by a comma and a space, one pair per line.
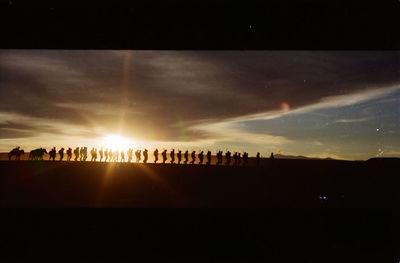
69, 154
76, 153
145, 156
61, 153
110, 155
201, 156
122, 156
228, 157
81, 154
272, 156
155, 155
130, 154
179, 156
235, 158
219, 157
172, 155
138, 154
93, 154
85, 153
105, 155
208, 158
52, 154
101, 153
115, 156
258, 159
186, 156
164, 156
245, 158
193, 157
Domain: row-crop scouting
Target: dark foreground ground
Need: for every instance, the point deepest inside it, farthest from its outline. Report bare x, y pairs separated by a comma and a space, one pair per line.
358, 222
277, 184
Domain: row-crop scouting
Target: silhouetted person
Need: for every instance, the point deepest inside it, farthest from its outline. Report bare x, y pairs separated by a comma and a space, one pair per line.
219, 157
138, 155
164, 156
101, 153
93, 154
208, 158
235, 158
201, 157
245, 158
172, 154
238, 159
76, 153
116, 156
272, 156
69, 154
105, 155
110, 155
61, 153
81, 154
186, 156
258, 159
193, 157
228, 157
85, 153
145, 156
179, 156
155, 155
130, 154
122, 156
52, 154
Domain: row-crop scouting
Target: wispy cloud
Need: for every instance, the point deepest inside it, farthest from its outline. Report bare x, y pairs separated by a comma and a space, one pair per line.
351, 120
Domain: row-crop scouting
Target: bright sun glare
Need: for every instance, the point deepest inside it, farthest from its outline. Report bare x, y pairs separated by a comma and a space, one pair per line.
117, 142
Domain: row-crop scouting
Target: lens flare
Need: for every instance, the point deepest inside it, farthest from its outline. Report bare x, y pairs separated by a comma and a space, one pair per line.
285, 107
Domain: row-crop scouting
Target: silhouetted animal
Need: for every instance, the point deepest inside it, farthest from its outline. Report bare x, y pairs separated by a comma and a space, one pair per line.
37, 154
155, 155
16, 152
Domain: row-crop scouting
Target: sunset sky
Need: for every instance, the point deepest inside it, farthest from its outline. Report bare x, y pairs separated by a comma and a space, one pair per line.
320, 104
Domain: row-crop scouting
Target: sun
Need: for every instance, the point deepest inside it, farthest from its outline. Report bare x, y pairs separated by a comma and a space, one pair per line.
117, 142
